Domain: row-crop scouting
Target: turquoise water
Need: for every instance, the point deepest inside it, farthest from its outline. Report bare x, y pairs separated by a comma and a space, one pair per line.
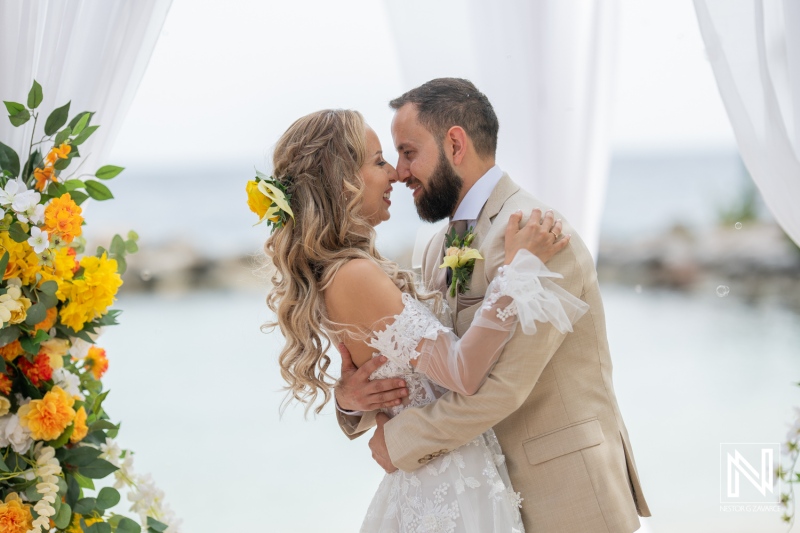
197, 388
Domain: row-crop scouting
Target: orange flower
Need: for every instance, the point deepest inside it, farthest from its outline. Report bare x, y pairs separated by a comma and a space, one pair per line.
5, 384
15, 516
49, 417
38, 371
11, 351
48, 322
96, 361
81, 429
43, 175
62, 218
61, 152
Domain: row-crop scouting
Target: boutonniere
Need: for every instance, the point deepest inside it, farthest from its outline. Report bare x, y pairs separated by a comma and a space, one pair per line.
460, 258
267, 198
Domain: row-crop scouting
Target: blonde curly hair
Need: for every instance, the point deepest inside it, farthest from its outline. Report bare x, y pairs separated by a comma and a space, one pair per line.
318, 159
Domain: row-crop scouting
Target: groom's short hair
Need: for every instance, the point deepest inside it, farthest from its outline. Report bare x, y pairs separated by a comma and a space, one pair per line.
446, 102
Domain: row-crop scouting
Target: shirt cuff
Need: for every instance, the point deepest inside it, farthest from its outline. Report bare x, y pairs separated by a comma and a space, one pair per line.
346, 412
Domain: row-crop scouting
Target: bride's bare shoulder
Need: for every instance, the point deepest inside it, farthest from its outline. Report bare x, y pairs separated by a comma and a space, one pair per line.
361, 292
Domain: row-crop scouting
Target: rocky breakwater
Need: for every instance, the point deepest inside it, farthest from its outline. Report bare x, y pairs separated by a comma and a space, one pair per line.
754, 262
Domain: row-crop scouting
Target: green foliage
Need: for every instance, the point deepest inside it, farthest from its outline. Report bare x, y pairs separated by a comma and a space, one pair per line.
126, 525
9, 160
98, 191
35, 95
18, 114
56, 119
109, 171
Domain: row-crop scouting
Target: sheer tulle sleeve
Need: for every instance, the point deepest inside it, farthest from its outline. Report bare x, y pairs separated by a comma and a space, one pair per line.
522, 293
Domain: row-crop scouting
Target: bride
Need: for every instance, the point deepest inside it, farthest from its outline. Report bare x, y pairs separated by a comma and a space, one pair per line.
330, 187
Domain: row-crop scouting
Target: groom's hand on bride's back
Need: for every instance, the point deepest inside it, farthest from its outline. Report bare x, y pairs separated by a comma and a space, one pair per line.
355, 392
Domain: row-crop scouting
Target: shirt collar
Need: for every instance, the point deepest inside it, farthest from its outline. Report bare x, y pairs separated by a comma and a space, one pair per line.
470, 207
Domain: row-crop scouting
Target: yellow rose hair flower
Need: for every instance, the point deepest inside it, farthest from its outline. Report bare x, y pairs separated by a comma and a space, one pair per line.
267, 198
62, 218
47, 418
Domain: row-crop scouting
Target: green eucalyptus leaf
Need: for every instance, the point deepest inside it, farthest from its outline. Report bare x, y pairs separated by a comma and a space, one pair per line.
48, 300
62, 136
81, 456
107, 498
98, 191
131, 247
85, 506
117, 246
35, 95
98, 527
49, 287
108, 171
9, 334
63, 517
9, 160
36, 313
85, 134
17, 233
132, 235
84, 482
56, 119
3, 263
32, 494
155, 525
98, 469
126, 525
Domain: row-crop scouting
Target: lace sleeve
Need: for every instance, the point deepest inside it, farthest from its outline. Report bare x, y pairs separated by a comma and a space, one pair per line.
520, 293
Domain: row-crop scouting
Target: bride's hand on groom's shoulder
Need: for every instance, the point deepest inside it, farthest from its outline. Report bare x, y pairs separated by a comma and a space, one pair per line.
540, 235
355, 392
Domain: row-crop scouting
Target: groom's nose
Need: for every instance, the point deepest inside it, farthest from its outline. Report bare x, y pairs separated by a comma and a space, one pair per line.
403, 170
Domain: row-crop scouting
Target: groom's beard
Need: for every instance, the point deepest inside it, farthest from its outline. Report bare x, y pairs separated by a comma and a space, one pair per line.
439, 198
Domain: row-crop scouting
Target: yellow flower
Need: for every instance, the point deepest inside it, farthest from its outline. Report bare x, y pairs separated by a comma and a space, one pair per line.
96, 361
257, 202
458, 257
23, 262
75, 525
55, 349
13, 306
56, 153
90, 297
49, 417
61, 271
276, 195
62, 218
43, 177
81, 429
5, 406
15, 516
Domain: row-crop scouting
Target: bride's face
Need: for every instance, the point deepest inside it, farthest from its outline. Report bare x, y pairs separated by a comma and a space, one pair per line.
378, 176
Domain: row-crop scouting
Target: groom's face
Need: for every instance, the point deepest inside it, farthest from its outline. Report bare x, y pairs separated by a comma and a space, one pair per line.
424, 168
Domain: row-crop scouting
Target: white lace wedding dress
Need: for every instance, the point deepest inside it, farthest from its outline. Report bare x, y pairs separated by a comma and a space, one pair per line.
468, 489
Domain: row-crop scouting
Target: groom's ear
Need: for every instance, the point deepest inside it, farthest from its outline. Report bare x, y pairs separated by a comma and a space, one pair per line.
456, 141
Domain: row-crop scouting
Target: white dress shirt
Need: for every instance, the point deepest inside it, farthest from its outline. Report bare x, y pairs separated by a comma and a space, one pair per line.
469, 209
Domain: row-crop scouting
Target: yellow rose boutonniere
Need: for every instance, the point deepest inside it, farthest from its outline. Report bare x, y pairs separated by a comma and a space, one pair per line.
460, 259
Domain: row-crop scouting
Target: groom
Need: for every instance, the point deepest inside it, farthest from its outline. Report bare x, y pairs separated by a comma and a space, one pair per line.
550, 396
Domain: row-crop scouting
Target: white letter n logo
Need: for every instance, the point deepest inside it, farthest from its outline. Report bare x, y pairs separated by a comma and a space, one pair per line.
741, 465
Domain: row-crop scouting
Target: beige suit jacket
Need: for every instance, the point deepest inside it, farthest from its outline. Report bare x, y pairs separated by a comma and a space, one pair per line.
550, 397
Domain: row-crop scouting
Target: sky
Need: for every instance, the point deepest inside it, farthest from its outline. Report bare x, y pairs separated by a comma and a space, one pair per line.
222, 85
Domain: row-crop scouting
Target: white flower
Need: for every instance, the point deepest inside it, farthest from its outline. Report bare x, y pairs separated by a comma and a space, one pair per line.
68, 381
13, 434
38, 240
125, 475
34, 213
25, 202
47, 469
111, 452
11, 190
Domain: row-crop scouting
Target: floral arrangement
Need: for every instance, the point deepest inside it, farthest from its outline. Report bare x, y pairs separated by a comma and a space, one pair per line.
788, 472
56, 439
267, 198
460, 258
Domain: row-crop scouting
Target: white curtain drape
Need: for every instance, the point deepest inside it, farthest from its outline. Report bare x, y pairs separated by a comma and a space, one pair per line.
92, 52
547, 67
754, 49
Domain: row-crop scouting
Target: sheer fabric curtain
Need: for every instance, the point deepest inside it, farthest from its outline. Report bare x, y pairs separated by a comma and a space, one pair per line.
92, 52
547, 67
754, 49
